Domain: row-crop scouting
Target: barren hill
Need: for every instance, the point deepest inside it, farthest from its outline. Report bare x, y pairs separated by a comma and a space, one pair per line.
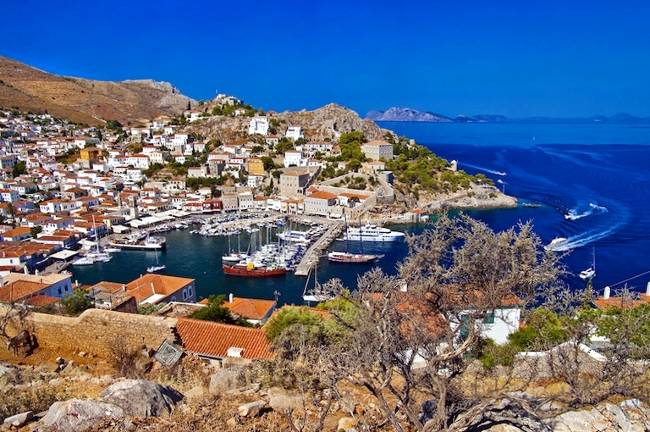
84, 100
326, 122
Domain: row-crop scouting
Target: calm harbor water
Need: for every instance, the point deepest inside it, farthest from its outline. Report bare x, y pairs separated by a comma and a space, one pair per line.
601, 173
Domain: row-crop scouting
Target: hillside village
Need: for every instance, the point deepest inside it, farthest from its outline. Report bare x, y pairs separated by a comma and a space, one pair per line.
68, 189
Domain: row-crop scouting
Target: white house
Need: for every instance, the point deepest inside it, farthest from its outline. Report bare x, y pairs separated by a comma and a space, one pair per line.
258, 125
294, 132
293, 158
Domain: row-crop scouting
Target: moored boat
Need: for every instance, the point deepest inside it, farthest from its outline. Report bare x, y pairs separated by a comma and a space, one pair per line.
372, 233
249, 270
346, 257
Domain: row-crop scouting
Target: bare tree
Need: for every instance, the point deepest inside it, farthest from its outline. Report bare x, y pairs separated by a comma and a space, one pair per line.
15, 329
412, 334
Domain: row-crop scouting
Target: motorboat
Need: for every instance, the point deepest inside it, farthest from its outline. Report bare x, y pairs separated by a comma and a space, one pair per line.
556, 243
153, 269
83, 261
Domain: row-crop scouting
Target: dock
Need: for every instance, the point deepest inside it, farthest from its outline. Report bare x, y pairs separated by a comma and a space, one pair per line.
315, 251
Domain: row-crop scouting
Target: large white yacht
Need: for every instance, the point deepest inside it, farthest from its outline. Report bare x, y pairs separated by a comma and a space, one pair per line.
372, 233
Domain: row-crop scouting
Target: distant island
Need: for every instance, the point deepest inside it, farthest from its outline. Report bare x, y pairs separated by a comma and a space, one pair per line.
399, 114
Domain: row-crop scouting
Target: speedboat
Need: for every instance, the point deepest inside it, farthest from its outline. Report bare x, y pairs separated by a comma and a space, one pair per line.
153, 269
555, 243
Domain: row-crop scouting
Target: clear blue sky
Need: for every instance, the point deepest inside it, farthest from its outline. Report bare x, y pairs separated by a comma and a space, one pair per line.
518, 58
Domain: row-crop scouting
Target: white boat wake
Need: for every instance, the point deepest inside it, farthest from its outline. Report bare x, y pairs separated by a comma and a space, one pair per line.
575, 214
495, 172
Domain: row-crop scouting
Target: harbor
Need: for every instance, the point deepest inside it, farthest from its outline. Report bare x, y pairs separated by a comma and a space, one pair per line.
189, 253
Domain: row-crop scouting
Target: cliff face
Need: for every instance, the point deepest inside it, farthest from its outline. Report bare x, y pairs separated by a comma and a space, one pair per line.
84, 100
407, 114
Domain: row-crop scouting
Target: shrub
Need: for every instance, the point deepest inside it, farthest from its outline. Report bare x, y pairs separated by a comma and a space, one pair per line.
76, 302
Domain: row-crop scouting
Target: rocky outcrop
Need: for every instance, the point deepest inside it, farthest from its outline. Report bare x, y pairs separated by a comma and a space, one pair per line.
126, 398
226, 380
76, 415
331, 120
142, 398
325, 123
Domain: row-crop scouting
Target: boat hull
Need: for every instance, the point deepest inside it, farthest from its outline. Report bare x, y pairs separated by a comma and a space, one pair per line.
255, 272
352, 258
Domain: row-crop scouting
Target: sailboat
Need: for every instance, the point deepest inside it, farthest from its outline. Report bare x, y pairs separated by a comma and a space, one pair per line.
98, 255
591, 271
234, 257
313, 295
347, 256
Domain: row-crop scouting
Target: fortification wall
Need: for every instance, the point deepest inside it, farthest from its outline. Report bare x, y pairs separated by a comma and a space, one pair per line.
96, 330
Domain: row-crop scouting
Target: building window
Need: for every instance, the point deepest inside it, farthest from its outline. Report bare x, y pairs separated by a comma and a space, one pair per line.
489, 318
59, 290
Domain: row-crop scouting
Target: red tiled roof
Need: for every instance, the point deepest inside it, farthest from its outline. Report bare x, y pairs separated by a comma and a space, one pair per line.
214, 339
249, 308
621, 302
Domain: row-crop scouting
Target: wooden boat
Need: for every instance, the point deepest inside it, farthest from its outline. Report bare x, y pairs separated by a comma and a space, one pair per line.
346, 257
249, 270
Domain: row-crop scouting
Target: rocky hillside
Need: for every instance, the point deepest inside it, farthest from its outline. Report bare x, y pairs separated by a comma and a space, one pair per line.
327, 122
407, 114
84, 100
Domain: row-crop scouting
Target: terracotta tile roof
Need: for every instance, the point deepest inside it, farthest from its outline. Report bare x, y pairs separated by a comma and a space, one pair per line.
150, 284
19, 290
322, 195
621, 302
214, 339
16, 232
42, 300
250, 308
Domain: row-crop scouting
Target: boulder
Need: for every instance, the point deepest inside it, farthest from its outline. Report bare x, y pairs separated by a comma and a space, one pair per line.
18, 420
141, 398
607, 417
8, 373
280, 400
226, 380
76, 415
251, 409
346, 424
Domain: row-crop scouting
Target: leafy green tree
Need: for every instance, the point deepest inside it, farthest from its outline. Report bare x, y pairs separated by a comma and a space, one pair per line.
76, 302
215, 311
19, 168
284, 145
268, 163
36, 230
293, 316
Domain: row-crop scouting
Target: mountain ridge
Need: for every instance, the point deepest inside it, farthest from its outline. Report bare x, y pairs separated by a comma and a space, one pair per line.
398, 114
86, 100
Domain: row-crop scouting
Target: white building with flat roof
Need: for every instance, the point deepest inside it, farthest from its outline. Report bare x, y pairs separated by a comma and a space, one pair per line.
258, 125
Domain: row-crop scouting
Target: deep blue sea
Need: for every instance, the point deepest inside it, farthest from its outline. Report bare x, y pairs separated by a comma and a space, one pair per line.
599, 173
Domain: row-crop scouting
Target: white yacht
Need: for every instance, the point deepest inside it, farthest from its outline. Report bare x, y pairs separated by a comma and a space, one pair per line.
372, 233
294, 236
83, 261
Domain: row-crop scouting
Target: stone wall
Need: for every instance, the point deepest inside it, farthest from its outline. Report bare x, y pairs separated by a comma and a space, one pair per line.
95, 330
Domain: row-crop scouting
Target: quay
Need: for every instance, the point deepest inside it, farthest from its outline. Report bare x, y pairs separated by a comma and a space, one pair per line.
315, 251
